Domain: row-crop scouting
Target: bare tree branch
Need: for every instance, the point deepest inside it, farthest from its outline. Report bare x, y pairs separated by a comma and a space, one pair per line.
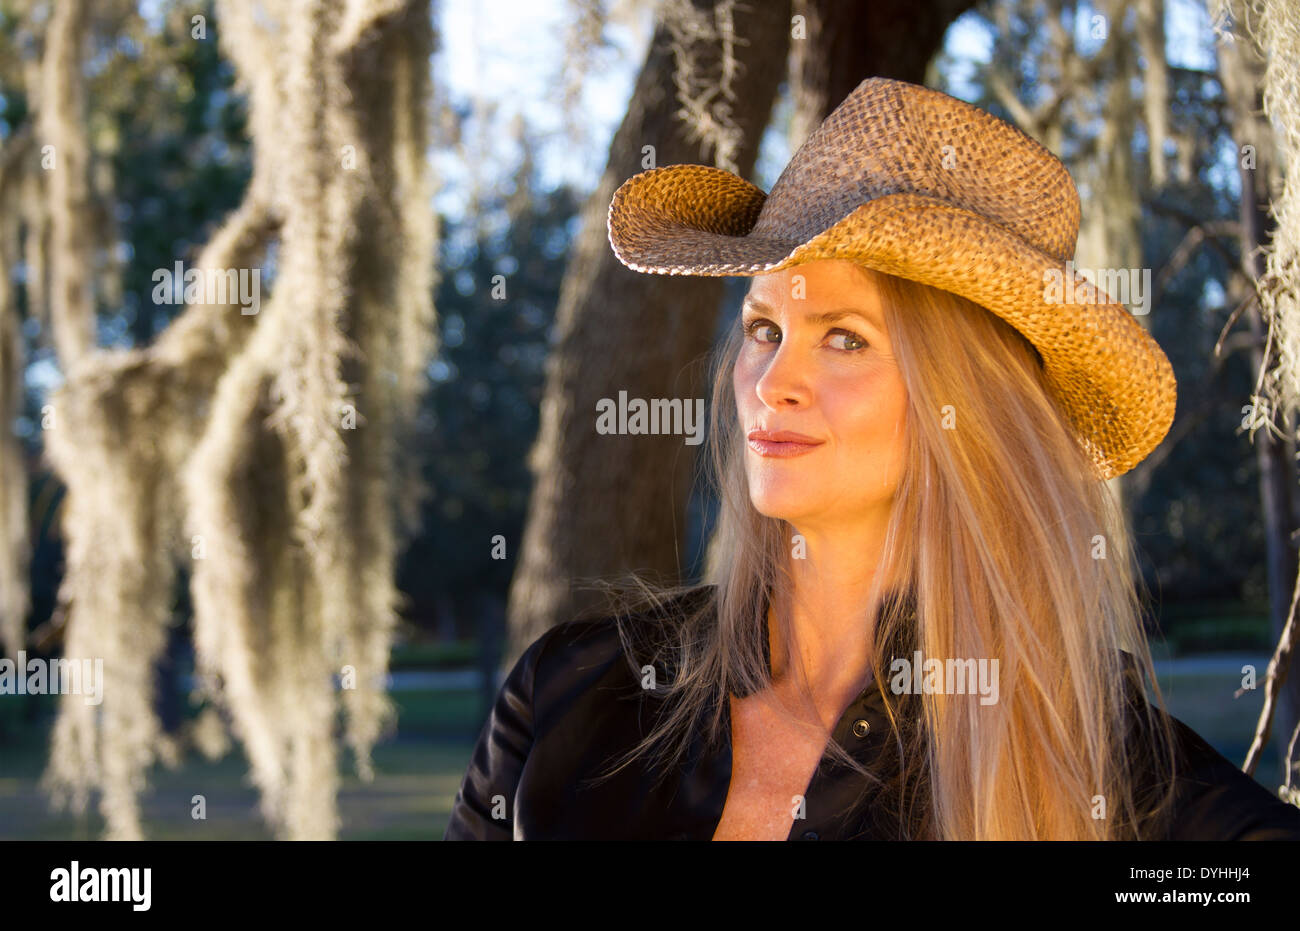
1278, 667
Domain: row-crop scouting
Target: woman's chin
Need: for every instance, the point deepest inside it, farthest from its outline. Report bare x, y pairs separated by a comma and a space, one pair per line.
779, 507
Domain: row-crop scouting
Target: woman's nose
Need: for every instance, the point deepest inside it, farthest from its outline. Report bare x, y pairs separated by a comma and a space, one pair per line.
784, 383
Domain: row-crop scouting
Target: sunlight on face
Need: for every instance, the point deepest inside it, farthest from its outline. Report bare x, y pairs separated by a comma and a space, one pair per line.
819, 396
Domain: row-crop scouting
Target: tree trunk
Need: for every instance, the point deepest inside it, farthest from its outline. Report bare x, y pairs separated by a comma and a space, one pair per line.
848, 42
603, 504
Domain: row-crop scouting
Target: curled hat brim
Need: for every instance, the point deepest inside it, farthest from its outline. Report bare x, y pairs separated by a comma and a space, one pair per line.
1109, 375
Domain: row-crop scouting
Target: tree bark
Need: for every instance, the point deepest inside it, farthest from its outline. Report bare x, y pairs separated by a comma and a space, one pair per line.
848, 42
1155, 84
603, 504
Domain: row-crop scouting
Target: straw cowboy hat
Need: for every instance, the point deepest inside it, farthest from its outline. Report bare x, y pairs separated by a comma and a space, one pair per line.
914, 183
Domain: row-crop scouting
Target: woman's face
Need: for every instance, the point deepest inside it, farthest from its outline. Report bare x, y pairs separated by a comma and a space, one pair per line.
820, 397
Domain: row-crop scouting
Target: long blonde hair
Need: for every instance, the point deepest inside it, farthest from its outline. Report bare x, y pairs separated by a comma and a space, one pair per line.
1007, 545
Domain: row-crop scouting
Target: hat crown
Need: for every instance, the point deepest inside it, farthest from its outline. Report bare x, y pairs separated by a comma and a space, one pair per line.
890, 137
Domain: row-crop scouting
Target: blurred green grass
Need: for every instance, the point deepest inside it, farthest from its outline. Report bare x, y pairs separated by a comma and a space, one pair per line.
417, 773
1213, 627
456, 654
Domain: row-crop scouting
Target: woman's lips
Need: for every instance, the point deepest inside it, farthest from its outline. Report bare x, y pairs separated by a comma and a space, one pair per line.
781, 444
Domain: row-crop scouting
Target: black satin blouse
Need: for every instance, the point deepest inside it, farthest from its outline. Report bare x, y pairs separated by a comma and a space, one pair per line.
571, 704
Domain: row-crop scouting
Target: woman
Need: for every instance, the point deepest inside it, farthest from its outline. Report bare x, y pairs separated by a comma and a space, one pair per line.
922, 620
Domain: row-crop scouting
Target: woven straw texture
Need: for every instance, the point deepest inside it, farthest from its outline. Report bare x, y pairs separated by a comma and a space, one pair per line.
914, 183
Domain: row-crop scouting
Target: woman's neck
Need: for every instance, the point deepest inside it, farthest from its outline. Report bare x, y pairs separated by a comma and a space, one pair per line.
831, 619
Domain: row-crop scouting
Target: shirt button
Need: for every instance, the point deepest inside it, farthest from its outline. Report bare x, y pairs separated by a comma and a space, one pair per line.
810, 835
860, 727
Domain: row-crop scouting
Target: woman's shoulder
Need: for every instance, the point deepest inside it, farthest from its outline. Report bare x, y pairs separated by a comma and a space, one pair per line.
1217, 800
586, 646
1213, 798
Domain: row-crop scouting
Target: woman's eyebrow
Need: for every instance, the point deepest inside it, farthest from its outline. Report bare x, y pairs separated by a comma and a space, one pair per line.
818, 319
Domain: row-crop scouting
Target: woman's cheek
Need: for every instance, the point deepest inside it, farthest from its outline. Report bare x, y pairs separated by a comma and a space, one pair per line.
743, 380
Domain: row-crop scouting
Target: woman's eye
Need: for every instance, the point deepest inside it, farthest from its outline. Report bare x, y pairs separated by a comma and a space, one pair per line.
851, 341
756, 329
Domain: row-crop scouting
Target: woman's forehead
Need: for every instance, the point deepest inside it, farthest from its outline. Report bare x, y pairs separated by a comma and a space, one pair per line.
818, 289
824, 275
